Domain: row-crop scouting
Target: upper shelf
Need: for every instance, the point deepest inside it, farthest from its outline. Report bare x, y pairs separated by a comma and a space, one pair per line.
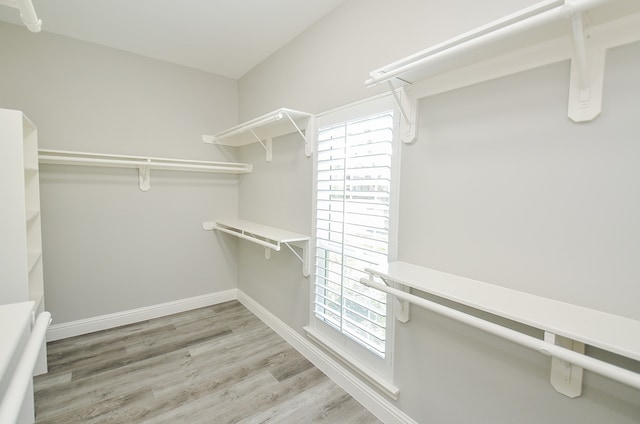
547, 32
536, 24
143, 164
600, 329
264, 128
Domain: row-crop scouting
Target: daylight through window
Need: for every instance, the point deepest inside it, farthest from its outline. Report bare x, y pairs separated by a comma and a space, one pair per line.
352, 226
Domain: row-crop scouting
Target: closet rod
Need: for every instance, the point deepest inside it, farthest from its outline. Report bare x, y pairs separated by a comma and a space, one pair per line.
622, 375
135, 163
504, 28
62, 157
243, 235
143, 164
14, 396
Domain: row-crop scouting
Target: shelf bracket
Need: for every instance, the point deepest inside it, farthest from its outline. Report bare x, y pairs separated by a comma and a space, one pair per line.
306, 136
566, 377
304, 245
144, 176
267, 144
408, 106
401, 307
587, 74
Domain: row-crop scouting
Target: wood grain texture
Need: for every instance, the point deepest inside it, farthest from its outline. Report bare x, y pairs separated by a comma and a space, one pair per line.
218, 364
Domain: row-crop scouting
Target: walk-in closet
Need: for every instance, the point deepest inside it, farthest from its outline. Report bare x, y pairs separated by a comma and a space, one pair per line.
339, 211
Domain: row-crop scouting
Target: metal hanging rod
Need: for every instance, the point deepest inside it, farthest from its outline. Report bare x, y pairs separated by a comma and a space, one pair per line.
535, 16
567, 328
143, 164
271, 238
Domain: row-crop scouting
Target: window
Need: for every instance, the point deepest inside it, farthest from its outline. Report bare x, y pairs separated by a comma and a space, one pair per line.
353, 231
352, 226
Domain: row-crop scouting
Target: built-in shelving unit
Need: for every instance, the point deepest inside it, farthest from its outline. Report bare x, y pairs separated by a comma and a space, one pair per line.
22, 341
143, 164
271, 238
21, 266
264, 128
546, 32
567, 327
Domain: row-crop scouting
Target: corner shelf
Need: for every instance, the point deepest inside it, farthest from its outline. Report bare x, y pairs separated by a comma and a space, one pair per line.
264, 128
544, 33
271, 238
567, 327
143, 164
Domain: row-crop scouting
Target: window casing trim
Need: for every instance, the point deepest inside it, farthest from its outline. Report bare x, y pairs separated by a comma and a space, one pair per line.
376, 370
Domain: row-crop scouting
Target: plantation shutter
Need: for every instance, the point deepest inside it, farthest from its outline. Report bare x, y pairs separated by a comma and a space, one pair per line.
352, 226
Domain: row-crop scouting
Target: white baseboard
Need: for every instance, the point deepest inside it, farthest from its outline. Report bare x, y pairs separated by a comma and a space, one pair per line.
369, 398
103, 322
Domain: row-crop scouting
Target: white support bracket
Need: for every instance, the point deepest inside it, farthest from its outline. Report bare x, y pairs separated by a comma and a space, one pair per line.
144, 176
268, 145
587, 73
401, 307
566, 377
304, 258
408, 106
306, 136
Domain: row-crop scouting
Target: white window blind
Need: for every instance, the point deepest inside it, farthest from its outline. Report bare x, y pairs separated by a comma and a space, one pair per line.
352, 226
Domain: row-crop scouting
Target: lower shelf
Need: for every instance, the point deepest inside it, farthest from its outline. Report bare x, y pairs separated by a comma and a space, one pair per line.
271, 238
567, 327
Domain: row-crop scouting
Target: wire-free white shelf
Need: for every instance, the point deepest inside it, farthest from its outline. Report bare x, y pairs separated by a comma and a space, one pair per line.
544, 33
536, 24
606, 331
271, 238
264, 128
143, 164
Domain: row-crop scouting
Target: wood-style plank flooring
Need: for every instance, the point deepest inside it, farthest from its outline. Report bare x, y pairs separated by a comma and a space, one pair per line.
218, 364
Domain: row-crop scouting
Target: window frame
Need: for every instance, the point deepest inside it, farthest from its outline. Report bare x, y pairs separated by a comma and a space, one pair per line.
378, 371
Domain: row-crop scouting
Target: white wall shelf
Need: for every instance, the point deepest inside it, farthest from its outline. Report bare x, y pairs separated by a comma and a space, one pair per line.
567, 327
143, 164
264, 128
271, 238
546, 32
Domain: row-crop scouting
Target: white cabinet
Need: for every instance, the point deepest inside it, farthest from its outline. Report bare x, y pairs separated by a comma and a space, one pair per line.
21, 275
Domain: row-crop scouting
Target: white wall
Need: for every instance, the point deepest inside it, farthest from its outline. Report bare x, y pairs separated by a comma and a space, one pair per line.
108, 247
513, 193
500, 186
277, 194
326, 66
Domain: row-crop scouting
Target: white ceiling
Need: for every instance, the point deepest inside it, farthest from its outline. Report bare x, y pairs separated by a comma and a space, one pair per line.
224, 37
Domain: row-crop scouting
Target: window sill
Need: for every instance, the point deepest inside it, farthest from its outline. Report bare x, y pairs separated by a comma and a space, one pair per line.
381, 383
